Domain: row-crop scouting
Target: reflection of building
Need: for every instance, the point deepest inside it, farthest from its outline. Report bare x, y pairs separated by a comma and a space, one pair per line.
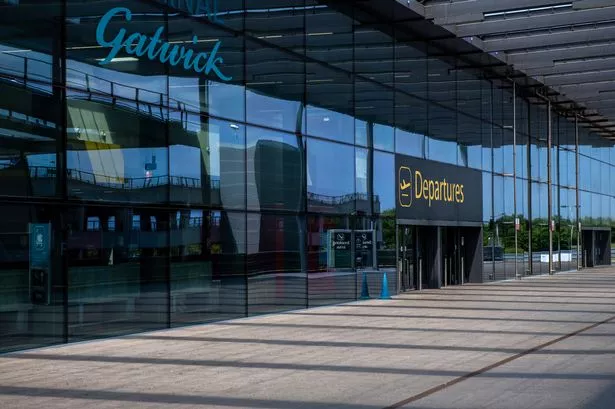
278, 175
77, 141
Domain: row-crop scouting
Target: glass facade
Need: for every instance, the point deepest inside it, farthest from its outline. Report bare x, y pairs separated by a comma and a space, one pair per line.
174, 162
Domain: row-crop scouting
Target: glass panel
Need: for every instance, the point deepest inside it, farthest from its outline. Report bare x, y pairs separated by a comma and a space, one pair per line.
275, 170
468, 91
326, 193
331, 278
374, 57
442, 79
31, 293
507, 151
272, 21
330, 104
276, 256
374, 104
385, 244
363, 205
329, 35
117, 271
115, 155
274, 96
384, 137
409, 143
117, 135
410, 66
220, 92
207, 162
442, 142
31, 108
585, 172
470, 141
384, 185
207, 266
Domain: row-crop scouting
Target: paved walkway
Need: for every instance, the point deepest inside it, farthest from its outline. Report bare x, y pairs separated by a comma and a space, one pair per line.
544, 343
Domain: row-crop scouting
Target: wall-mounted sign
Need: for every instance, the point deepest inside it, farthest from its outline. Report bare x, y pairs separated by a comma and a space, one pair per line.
363, 240
339, 249
433, 191
40, 263
154, 48
340, 240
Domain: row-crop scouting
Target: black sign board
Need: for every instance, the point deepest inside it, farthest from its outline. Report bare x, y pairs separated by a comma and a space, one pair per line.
340, 241
40, 263
433, 191
363, 240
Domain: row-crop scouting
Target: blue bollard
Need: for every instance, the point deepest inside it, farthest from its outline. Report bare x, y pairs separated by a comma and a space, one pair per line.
384, 293
364, 289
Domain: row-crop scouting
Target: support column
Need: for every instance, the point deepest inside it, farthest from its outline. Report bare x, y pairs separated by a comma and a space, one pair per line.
530, 227
549, 187
578, 206
515, 176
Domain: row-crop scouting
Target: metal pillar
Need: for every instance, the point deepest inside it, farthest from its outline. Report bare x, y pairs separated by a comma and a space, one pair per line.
398, 266
549, 187
515, 175
578, 206
530, 199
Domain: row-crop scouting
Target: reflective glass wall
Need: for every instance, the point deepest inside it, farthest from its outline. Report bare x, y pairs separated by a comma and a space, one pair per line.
174, 162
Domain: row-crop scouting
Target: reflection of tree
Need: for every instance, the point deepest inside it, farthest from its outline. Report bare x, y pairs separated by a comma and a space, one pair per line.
504, 229
388, 228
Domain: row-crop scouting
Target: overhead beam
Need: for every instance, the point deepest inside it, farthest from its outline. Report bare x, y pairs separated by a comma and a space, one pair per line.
538, 21
549, 56
443, 11
549, 39
579, 78
573, 67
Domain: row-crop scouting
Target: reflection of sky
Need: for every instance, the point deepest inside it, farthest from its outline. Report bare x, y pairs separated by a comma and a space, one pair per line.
384, 179
330, 167
124, 84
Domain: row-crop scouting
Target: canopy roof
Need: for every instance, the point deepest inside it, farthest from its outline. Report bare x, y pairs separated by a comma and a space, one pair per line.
566, 46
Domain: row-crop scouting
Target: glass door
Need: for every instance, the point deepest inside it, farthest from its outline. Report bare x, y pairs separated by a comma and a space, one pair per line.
451, 256
407, 255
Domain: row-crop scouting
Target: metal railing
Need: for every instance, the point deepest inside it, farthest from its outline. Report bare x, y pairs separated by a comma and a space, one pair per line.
37, 74
116, 182
338, 200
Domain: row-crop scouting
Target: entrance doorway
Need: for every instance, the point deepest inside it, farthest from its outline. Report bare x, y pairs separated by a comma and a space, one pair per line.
407, 258
596, 247
438, 256
452, 256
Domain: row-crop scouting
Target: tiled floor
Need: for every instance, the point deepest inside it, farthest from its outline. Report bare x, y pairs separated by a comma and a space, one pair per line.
373, 354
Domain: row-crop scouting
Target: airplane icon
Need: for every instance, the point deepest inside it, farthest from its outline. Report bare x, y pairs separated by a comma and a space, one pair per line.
405, 187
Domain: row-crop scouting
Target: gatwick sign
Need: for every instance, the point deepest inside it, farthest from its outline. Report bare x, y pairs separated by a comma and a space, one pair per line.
155, 49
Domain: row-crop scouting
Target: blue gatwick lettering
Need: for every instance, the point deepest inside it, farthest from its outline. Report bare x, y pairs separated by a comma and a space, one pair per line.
154, 48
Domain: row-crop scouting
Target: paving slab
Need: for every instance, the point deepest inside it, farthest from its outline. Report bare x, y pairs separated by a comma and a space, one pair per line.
542, 342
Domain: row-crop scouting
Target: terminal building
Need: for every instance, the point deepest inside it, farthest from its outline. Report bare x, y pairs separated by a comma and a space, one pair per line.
167, 163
